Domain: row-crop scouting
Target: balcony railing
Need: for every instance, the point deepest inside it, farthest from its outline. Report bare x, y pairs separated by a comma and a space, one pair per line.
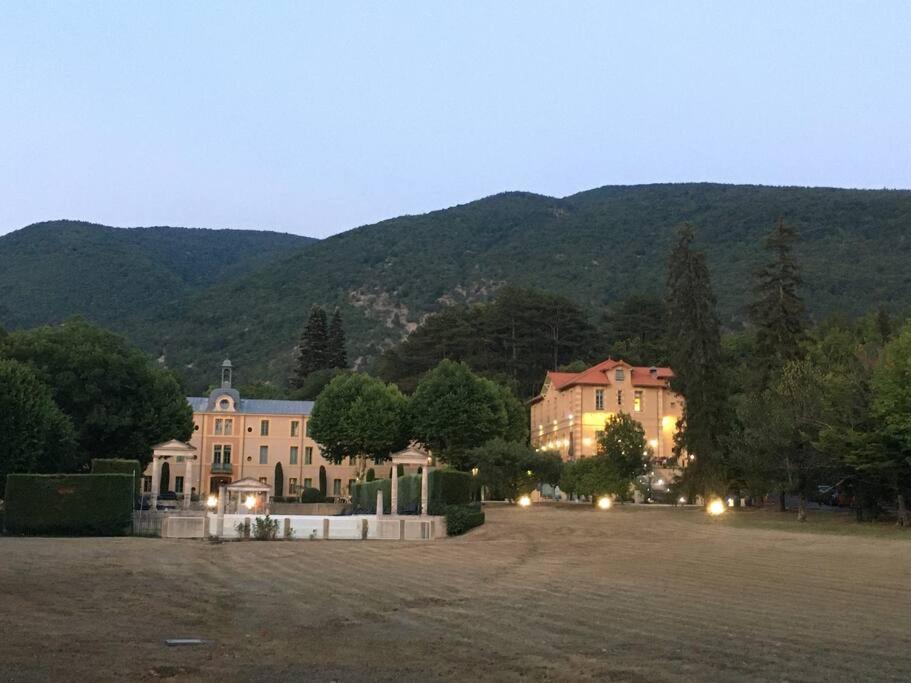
221, 467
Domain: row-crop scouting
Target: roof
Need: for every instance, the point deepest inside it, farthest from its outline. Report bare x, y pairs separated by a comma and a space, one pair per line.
259, 406
599, 375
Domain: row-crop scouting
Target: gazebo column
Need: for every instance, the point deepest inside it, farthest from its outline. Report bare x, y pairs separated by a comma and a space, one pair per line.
156, 476
187, 482
425, 486
394, 503
220, 519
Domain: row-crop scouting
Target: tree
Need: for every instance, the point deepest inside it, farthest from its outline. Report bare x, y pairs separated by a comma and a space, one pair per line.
695, 356
778, 309
453, 410
358, 416
37, 436
509, 469
337, 356
516, 428
892, 406
622, 458
279, 480
323, 483
119, 402
313, 350
636, 331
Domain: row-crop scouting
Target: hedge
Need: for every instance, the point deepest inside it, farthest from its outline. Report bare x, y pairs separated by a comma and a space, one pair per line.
462, 518
312, 495
119, 466
69, 504
447, 487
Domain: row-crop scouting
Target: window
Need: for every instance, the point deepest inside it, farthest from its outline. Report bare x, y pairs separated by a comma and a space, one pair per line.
146, 484
307, 428
229, 427
350, 461
292, 485
618, 374
350, 485
264, 427
224, 404
637, 401
308, 483
599, 399
263, 455
308, 455
292, 458
216, 454
598, 435
262, 480
226, 454
178, 484
619, 397
219, 426
295, 428
336, 487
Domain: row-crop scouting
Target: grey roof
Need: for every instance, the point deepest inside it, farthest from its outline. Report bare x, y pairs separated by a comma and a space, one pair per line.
259, 406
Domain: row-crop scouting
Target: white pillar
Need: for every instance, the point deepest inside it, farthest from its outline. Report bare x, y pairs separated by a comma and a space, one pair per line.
156, 476
425, 485
394, 503
220, 522
379, 503
187, 482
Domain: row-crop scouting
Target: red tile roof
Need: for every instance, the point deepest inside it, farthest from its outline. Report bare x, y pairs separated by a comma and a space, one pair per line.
599, 375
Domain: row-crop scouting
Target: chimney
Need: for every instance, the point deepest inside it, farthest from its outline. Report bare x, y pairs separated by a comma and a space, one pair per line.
653, 371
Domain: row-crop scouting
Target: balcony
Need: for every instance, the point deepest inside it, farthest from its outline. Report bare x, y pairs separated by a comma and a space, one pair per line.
223, 467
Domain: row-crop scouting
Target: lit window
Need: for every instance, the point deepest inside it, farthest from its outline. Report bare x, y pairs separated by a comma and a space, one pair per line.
308, 455
263, 455
618, 374
262, 480
637, 401
293, 456
295, 427
308, 483
599, 399
264, 428
229, 427
336, 487
219, 423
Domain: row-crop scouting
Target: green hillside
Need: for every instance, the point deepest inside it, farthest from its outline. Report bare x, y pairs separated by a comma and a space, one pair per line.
50, 271
596, 247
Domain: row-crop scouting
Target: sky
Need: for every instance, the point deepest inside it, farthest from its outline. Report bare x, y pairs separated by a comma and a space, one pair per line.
314, 118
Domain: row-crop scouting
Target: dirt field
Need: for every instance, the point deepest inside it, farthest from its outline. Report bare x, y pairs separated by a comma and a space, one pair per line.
641, 595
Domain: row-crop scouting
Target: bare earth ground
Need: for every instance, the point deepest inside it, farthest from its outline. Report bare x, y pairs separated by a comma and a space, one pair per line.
545, 593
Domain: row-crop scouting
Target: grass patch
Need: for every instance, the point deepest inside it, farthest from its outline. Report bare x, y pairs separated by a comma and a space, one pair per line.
838, 522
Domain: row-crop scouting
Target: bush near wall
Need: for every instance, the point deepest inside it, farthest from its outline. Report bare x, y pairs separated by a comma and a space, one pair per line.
447, 487
462, 518
69, 504
312, 496
363, 497
119, 466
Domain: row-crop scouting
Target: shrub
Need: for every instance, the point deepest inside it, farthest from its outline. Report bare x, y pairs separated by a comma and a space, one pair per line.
462, 518
371, 474
312, 496
265, 528
119, 466
363, 496
69, 504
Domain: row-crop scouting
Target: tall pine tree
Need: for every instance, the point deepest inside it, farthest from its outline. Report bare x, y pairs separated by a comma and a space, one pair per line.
338, 356
778, 311
313, 352
695, 354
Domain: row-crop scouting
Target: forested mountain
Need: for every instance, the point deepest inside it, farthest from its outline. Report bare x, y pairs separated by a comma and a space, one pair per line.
595, 247
50, 271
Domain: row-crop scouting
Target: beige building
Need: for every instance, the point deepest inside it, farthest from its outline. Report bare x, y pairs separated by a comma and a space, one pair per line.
570, 412
266, 440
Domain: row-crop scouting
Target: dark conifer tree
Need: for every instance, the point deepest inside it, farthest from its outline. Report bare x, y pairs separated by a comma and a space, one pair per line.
313, 352
695, 354
338, 356
778, 311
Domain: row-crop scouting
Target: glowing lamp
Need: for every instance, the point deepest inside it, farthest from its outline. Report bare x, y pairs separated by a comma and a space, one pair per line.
730, 502
681, 500
604, 503
474, 471
716, 507
250, 502
524, 501
211, 501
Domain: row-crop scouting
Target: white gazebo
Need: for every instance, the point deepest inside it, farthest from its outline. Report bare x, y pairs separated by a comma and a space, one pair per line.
240, 493
412, 455
172, 451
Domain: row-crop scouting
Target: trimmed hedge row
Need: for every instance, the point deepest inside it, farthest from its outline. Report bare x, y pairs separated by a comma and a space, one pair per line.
69, 504
119, 466
447, 487
312, 496
462, 518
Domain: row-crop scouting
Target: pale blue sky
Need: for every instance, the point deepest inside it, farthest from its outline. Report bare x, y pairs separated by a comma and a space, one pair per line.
318, 117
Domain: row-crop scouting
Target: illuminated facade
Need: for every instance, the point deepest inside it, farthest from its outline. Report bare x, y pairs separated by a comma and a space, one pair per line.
266, 440
569, 413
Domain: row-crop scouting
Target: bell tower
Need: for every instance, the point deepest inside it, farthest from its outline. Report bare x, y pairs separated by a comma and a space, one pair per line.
226, 370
